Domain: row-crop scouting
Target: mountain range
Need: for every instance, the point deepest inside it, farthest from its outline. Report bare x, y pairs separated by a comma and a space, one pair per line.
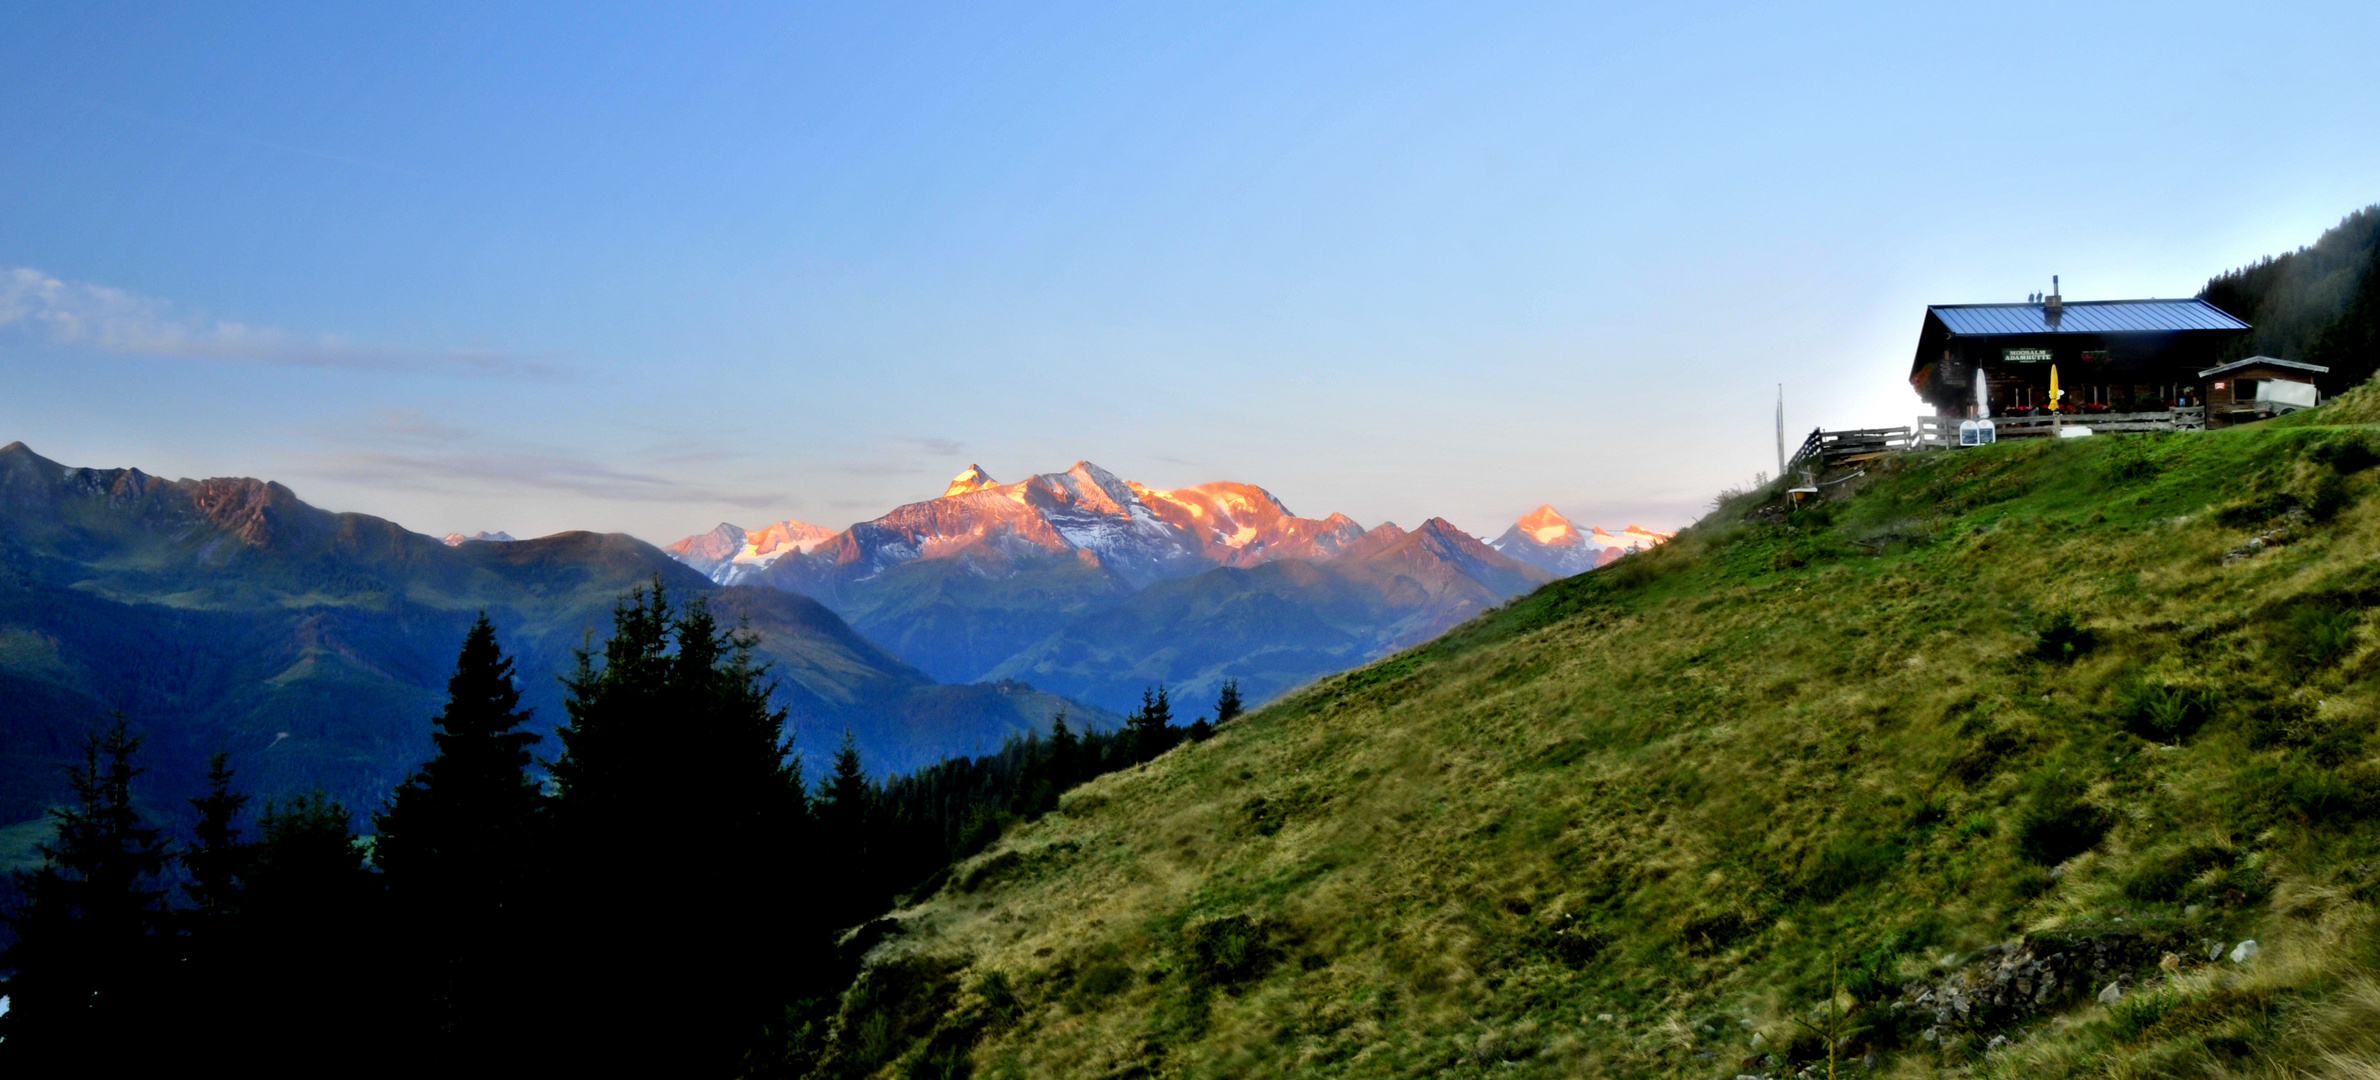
1095, 587
227, 614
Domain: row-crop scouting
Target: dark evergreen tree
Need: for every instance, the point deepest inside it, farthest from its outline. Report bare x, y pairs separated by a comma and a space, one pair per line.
845, 811
461, 824
92, 937
454, 844
1151, 725
843, 795
218, 863
1227, 702
1199, 730
314, 954
1065, 753
679, 826
217, 975
308, 859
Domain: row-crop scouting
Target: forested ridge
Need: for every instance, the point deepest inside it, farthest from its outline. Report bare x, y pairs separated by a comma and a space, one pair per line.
2319, 304
659, 888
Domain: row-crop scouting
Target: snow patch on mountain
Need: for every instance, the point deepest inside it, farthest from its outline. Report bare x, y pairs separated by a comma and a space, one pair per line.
730, 553
973, 479
456, 539
1545, 539
1243, 525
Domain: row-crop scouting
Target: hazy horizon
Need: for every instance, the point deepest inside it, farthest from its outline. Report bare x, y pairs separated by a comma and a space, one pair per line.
508, 268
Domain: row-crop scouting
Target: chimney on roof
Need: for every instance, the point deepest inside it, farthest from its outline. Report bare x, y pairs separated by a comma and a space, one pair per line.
2055, 306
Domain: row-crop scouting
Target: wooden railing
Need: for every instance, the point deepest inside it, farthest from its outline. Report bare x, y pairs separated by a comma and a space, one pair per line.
1827, 447
2019, 427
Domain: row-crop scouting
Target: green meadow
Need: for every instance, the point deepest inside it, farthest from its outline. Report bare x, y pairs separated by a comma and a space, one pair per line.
2001, 727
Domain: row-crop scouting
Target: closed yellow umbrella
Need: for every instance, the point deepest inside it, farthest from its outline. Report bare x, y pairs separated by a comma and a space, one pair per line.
2053, 388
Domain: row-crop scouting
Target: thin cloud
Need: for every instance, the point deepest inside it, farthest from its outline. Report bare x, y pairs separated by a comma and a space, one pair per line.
882, 468
102, 317
481, 472
407, 451
938, 447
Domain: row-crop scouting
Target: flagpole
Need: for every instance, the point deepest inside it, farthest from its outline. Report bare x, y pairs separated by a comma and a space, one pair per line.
1780, 431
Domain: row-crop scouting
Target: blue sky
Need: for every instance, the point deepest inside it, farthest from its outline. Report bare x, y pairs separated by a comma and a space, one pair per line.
649, 268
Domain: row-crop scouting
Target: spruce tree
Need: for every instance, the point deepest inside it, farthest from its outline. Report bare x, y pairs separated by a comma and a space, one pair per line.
316, 952
92, 939
460, 824
1152, 725
678, 927
218, 974
1065, 754
455, 842
218, 863
846, 822
1227, 702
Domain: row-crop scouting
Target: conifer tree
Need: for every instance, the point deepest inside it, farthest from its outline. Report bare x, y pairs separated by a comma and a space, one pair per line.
1152, 724
1227, 702
460, 824
843, 795
680, 829
455, 842
311, 934
214, 982
846, 823
217, 863
91, 933
1065, 753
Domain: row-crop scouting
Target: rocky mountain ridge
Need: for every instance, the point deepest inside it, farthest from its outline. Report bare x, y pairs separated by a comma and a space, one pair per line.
1084, 580
1545, 539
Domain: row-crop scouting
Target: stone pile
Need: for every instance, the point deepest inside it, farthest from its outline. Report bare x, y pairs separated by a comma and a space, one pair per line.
2008, 982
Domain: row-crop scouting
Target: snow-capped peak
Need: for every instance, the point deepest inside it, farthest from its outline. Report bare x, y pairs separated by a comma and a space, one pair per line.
973, 479
1547, 526
729, 552
456, 539
1545, 539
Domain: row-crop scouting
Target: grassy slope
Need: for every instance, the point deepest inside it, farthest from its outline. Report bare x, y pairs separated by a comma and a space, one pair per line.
1624, 823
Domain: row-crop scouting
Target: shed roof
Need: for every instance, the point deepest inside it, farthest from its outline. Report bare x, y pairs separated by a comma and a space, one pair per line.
2263, 361
2084, 317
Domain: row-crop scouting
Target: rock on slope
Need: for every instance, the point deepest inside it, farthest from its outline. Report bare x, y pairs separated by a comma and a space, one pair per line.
1627, 825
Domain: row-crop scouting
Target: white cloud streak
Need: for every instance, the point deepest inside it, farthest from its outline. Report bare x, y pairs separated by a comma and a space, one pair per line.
79, 313
407, 451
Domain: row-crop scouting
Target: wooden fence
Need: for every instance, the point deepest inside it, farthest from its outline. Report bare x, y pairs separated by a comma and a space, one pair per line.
1827, 447
1935, 431
1824, 447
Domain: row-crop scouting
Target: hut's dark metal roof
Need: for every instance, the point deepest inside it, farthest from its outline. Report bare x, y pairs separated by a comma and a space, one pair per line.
2084, 317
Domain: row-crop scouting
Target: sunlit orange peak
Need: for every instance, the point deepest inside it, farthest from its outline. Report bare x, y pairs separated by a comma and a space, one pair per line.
973, 479
1548, 526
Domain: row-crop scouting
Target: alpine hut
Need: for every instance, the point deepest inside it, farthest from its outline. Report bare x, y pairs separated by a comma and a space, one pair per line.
2121, 356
